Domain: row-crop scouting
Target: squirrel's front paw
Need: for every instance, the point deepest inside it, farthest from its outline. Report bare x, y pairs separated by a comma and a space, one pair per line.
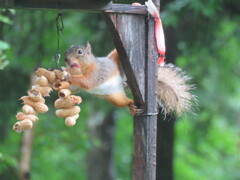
135, 110
66, 76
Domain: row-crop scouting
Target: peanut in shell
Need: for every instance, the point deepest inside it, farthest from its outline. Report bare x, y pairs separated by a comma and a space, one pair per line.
63, 113
38, 106
41, 107
64, 93
76, 99
17, 127
41, 81
71, 120
62, 75
26, 124
21, 116
57, 85
67, 102
27, 100
44, 90
36, 95
27, 109
20, 126
50, 75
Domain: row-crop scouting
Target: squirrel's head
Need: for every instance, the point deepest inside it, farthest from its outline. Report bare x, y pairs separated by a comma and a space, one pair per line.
77, 56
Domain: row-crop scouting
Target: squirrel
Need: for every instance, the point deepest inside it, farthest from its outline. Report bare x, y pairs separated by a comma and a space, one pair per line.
103, 76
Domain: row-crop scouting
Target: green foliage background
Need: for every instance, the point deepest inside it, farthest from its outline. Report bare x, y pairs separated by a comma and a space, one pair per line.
208, 48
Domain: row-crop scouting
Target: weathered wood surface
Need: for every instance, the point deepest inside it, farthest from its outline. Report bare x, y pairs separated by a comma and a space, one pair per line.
86, 5
129, 36
133, 36
95, 5
127, 9
145, 126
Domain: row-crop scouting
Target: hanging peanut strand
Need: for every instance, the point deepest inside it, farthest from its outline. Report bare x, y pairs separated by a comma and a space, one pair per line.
66, 103
34, 102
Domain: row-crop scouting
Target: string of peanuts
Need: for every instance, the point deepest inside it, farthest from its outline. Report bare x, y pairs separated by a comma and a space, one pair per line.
34, 103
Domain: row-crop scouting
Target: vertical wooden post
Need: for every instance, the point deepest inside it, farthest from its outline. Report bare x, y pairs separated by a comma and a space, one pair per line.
145, 126
133, 35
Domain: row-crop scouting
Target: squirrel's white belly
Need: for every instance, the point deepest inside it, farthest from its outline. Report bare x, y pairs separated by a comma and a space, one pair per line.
113, 85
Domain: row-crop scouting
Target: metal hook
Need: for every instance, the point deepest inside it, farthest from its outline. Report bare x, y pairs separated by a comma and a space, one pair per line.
56, 58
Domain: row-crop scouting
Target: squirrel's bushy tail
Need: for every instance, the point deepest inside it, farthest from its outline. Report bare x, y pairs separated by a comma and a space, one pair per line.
174, 90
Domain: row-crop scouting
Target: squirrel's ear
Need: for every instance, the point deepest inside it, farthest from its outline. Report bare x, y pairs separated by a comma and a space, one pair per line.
88, 47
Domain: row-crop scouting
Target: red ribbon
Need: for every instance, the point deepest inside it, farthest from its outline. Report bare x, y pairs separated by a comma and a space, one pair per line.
159, 34
160, 40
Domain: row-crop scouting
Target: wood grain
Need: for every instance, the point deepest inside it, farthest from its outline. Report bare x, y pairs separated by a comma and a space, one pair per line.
145, 126
85, 5
127, 9
128, 33
90, 5
134, 39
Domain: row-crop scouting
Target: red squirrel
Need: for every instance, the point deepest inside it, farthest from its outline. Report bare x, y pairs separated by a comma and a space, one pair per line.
100, 76
103, 76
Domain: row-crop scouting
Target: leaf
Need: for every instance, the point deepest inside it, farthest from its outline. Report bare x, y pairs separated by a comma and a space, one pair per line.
13, 11
4, 45
5, 19
3, 64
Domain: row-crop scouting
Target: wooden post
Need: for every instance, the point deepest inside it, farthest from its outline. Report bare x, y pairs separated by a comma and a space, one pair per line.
133, 35
145, 126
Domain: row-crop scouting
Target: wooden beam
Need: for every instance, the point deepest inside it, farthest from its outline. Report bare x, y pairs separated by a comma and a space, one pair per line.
129, 36
88, 5
85, 5
127, 9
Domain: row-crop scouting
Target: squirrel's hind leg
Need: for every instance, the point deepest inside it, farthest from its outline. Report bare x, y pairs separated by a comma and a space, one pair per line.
134, 110
121, 100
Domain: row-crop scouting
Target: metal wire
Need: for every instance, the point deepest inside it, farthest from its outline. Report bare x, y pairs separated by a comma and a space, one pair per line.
59, 26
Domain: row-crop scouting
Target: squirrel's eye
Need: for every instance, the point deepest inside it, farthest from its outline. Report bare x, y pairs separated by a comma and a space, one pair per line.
80, 51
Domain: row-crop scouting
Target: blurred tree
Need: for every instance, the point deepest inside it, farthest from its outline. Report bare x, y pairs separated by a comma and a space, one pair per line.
26, 155
100, 157
207, 36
